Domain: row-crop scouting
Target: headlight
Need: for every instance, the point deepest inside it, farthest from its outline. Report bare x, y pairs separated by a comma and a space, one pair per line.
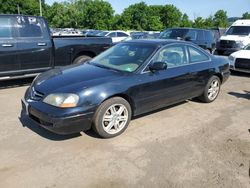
239, 44
63, 100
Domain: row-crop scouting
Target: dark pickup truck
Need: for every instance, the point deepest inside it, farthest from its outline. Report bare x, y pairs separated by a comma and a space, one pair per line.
27, 48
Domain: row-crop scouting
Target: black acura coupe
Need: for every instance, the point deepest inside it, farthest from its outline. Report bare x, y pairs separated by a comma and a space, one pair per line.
129, 79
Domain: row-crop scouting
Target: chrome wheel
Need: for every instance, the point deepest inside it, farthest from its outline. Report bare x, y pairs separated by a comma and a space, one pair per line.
213, 89
115, 118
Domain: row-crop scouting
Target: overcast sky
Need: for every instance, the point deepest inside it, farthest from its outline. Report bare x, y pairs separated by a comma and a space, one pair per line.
194, 8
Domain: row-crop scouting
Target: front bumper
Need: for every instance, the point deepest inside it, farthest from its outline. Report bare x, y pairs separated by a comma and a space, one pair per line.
60, 124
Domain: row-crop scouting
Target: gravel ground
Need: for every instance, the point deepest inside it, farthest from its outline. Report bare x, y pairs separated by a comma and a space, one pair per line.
191, 144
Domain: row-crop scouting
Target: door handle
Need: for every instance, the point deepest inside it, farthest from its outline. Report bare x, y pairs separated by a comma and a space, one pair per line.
41, 44
7, 45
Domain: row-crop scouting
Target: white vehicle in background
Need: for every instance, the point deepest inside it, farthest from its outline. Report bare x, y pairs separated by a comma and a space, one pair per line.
240, 60
116, 36
235, 38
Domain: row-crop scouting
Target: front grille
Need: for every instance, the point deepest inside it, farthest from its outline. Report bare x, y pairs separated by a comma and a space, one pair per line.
227, 44
241, 63
36, 95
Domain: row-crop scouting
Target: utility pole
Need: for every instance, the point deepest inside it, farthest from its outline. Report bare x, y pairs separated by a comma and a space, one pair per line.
40, 3
18, 9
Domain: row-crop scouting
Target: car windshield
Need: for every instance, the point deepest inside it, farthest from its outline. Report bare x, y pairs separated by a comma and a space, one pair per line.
126, 57
238, 30
178, 33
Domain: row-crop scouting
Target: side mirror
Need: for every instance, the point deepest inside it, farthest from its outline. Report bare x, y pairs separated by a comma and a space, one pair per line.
156, 66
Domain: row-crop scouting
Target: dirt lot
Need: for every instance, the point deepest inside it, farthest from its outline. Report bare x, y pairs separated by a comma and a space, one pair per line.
191, 144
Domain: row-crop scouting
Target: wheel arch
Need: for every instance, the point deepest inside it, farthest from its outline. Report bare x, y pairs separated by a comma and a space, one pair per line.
87, 53
125, 97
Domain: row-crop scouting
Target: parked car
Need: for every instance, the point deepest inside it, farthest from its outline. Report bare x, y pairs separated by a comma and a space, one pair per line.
240, 60
116, 36
235, 38
146, 35
27, 48
203, 38
129, 79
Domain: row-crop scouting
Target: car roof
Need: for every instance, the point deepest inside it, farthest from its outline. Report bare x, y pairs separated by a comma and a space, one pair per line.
188, 28
157, 42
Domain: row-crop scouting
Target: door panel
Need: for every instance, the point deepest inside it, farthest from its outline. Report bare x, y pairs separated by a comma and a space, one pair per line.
34, 48
8, 47
163, 88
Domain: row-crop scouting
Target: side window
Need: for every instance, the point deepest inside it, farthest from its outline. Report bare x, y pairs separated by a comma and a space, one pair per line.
200, 36
5, 28
29, 27
173, 56
191, 35
120, 34
196, 55
248, 47
112, 34
209, 35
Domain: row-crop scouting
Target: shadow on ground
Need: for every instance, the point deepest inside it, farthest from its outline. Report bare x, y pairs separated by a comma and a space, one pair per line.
15, 83
245, 95
241, 74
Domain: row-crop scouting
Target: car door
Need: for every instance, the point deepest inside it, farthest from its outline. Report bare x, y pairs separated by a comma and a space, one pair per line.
201, 69
8, 47
165, 87
34, 44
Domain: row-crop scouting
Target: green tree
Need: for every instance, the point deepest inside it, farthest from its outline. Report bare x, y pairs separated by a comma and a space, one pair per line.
154, 18
199, 22
94, 14
185, 22
171, 16
246, 15
220, 19
209, 23
28, 7
135, 17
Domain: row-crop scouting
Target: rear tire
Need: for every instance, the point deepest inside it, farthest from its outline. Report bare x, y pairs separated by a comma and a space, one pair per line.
112, 117
82, 59
212, 90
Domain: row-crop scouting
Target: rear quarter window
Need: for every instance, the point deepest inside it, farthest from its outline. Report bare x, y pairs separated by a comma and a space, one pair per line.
5, 28
196, 55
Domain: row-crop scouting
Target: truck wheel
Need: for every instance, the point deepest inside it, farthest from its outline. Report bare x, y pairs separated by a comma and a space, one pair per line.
212, 90
81, 59
112, 117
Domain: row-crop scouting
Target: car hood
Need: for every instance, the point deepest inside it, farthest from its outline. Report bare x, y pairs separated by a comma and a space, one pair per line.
242, 54
73, 78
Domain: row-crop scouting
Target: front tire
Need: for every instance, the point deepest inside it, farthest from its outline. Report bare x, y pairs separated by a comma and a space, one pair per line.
112, 117
212, 90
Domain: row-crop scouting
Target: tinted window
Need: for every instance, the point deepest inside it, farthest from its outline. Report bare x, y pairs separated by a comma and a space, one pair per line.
196, 55
5, 28
200, 35
247, 47
189, 34
238, 30
209, 35
120, 34
113, 34
29, 27
172, 55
